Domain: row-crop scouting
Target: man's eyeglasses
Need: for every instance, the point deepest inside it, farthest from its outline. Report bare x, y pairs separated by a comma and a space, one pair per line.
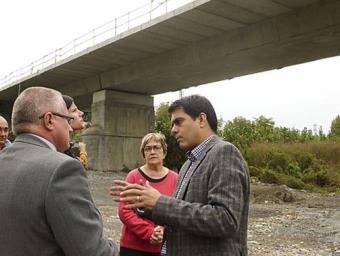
69, 119
148, 149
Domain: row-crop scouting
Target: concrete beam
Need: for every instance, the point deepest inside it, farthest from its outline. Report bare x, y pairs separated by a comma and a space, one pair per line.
292, 38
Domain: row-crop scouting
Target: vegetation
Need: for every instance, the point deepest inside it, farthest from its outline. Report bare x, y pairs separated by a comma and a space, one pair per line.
311, 166
335, 129
300, 159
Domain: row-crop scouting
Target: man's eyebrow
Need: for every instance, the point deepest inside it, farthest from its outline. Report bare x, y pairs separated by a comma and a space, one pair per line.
176, 120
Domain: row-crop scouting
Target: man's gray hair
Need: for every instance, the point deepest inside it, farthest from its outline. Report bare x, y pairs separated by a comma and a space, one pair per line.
32, 103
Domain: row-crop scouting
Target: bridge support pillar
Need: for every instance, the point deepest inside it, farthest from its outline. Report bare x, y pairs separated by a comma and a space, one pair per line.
119, 122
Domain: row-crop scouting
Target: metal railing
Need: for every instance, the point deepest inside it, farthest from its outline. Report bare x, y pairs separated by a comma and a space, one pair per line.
97, 35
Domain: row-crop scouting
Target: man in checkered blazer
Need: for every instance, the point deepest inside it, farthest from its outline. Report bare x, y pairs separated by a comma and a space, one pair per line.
208, 213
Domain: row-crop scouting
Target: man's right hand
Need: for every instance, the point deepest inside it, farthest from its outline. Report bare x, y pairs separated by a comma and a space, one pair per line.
135, 195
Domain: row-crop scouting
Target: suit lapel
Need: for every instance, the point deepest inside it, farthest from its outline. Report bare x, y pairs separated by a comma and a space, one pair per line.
193, 168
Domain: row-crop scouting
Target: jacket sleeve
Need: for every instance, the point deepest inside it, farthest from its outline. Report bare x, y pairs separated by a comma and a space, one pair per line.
141, 227
219, 211
70, 211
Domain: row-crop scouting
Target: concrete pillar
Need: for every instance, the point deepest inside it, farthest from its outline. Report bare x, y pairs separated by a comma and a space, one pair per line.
119, 121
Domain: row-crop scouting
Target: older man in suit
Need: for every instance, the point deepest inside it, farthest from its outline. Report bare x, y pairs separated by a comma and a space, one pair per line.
208, 213
45, 202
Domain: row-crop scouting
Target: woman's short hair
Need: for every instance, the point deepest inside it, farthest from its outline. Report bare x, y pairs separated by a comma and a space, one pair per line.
68, 101
158, 137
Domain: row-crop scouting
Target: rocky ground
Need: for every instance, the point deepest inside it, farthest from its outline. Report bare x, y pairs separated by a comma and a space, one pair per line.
282, 221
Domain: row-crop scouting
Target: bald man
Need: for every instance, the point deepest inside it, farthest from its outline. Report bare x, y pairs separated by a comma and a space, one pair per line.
46, 208
4, 142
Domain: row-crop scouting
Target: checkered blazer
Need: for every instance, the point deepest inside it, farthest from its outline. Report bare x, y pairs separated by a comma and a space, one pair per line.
211, 216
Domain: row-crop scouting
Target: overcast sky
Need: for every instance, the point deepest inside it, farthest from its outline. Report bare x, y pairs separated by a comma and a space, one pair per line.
298, 96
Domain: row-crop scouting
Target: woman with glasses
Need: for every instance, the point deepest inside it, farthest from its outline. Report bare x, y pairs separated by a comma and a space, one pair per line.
77, 149
141, 236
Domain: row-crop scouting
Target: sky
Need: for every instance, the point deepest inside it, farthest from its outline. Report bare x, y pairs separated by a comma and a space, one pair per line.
305, 95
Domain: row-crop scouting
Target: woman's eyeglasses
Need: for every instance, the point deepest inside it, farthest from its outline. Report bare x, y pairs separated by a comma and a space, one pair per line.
155, 148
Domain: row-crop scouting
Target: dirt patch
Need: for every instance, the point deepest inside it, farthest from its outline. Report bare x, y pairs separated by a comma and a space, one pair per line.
282, 221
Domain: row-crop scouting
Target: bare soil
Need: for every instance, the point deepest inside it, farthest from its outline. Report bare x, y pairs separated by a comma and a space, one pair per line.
282, 221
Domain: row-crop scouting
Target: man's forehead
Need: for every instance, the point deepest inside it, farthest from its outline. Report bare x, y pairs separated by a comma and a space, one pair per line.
178, 113
3, 122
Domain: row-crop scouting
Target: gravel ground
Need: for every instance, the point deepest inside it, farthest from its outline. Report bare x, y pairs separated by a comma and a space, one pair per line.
282, 221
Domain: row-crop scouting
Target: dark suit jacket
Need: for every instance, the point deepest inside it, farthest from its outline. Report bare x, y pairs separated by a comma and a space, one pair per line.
211, 216
45, 204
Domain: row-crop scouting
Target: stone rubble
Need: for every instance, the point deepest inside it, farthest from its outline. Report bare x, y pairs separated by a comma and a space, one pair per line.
307, 225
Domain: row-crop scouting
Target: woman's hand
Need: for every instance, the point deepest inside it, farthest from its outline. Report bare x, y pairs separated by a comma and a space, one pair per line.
157, 235
82, 146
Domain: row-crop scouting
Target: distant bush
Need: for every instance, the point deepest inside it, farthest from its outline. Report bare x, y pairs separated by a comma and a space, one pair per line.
319, 177
254, 171
292, 182
278, 161
304, 159
269, 176
311, 165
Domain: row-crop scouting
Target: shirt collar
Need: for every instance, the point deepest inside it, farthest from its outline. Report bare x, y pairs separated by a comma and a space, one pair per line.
49, 144
7, 143
192, 155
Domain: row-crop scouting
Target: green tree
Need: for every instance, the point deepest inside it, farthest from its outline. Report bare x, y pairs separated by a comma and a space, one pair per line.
240, 132
335, 127
306, 135
220, 124
265, 131
288, 135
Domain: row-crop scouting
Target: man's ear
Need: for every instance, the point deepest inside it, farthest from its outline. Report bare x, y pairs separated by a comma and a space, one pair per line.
48, 121
202, 118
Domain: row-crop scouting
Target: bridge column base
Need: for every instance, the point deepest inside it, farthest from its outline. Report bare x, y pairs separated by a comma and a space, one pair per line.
119, 122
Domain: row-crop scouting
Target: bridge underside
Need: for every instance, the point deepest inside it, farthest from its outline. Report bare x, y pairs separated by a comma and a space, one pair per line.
202, 42
199, 43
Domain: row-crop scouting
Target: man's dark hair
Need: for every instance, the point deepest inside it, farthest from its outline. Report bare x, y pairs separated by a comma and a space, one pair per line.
194, 105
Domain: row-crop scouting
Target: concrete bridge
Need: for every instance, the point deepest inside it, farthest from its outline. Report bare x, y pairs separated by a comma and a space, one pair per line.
200, 42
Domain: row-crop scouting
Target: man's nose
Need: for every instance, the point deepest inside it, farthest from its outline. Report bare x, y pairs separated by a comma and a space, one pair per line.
174, 129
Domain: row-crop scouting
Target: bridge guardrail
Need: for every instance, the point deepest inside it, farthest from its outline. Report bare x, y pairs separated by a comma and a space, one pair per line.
97, 35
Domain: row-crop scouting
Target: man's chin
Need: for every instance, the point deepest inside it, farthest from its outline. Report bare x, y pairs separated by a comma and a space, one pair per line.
183, 146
